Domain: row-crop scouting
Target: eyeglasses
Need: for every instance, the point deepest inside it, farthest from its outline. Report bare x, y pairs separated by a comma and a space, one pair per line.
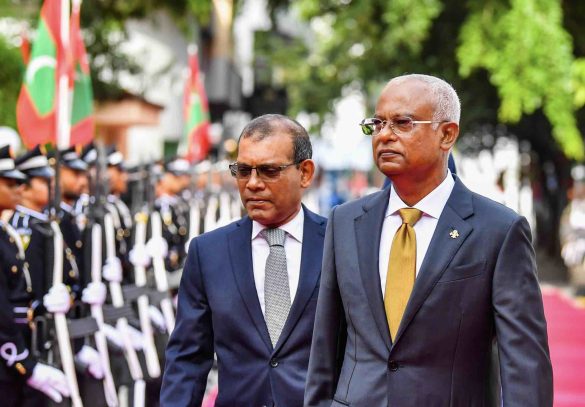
400, 126
266, 172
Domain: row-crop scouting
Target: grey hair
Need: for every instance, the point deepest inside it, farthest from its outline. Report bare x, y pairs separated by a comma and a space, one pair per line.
447, 106
267, 125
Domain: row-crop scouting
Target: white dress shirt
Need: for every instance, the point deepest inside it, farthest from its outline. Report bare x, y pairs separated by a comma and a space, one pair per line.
431, 206
293, 245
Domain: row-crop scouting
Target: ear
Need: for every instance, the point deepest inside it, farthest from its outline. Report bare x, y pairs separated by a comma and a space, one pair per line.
449, 134
307, 169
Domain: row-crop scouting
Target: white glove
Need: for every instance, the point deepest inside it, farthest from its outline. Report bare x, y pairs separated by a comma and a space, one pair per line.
574, 252
58, 299
112, 270
156, 317
90, 359
136, 338
113, 335
94, 293
50, 381
157, 247
139, 256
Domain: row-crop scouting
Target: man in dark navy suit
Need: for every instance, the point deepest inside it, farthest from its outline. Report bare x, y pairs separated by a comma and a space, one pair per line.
249, 289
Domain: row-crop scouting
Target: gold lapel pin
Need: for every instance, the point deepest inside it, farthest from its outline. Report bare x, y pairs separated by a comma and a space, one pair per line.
454, 234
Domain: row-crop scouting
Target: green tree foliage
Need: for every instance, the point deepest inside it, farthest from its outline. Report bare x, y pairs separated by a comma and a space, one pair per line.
529, 57
360, 44
508, 58
10, 79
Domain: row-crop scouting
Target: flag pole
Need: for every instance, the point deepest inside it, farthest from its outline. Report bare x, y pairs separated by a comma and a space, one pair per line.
62, 142
64, 110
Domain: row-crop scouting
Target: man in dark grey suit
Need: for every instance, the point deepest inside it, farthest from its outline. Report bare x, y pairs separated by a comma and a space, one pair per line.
419, 279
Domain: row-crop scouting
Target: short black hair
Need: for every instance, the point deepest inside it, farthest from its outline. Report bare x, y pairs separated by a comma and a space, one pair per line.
265, 126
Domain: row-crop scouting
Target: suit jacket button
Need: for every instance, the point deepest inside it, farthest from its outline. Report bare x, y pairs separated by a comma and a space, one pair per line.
273, 362
393, 365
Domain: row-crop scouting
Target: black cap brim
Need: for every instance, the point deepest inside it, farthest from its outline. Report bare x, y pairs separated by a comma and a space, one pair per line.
76, 164
178, 173
45, 172
119, 166
13, 174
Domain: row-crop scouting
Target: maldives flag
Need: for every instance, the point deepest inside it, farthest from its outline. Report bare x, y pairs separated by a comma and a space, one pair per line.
37, 102
196, 114
82, 121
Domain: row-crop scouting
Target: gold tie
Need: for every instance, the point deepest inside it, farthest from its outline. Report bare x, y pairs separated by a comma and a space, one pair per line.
401, 269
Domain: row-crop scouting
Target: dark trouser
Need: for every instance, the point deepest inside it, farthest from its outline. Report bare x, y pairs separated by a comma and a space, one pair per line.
18, 394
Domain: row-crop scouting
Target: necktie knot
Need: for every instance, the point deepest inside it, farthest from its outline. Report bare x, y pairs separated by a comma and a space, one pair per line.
410, 215
274, 237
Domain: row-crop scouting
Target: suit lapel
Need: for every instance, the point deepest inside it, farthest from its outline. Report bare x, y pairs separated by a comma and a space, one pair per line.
368, 228
240, 250
441, 250
312, 254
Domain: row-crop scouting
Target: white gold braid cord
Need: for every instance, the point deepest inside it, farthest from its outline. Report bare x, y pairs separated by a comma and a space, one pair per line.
276, 289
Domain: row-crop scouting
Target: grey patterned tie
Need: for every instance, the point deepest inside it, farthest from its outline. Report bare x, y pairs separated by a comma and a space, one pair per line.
276, 290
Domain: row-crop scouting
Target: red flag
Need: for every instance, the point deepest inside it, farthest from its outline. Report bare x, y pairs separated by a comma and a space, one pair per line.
37, 103
82, 121
196, 114
25, 47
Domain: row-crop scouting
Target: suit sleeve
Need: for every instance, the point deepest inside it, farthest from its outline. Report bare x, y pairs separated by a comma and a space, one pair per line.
189, 354
329, 334
525, 367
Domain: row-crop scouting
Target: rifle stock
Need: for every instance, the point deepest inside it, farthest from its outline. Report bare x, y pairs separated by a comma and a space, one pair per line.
152, 363
160, 274
65, 352
97, 313
122, 323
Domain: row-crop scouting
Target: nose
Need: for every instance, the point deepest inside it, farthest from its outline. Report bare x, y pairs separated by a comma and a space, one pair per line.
254, 182
17, 194
386, 134
384, 138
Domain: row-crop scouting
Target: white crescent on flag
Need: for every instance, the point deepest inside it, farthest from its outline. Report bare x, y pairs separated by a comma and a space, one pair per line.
37, 64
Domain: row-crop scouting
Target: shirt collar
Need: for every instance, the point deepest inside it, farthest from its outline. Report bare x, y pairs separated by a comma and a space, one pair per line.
294, 227
431, 205
66, 207
28, 211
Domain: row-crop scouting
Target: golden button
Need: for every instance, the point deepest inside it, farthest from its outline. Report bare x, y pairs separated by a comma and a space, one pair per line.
78, 244
20, 368
72, 273
14, 269
141, 217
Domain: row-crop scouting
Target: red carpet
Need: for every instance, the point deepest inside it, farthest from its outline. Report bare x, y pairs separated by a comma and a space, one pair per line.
566, 336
